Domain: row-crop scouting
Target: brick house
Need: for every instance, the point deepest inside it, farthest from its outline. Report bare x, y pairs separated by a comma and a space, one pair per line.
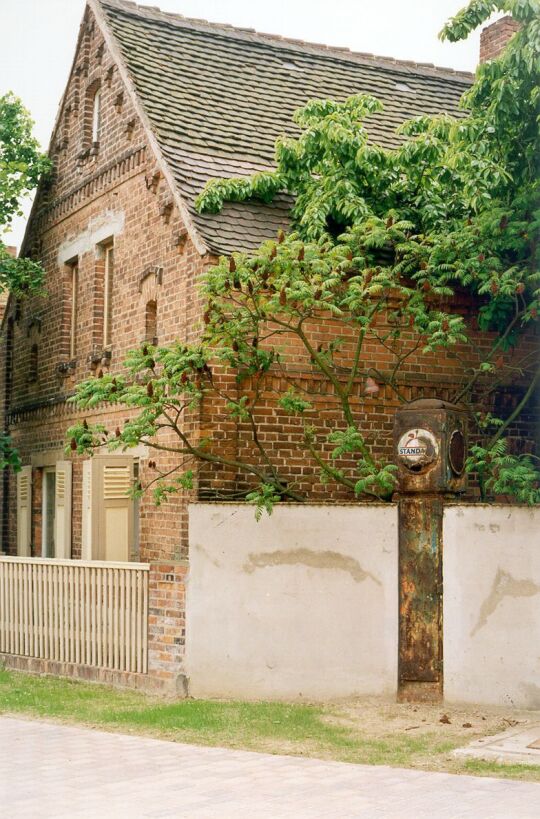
155, 105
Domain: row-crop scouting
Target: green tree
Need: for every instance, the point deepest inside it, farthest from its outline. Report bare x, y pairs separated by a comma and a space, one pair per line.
380, 240
21, 166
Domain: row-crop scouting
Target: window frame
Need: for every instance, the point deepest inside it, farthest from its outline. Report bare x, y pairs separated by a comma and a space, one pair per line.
108, 277
150, 321
96, 116
74, 287
48, 470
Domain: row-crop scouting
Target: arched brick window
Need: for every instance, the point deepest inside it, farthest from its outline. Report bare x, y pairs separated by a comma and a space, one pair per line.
150, 321
96, 116
92, 116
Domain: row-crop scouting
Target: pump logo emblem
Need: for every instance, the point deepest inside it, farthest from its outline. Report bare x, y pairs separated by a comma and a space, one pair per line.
417, 448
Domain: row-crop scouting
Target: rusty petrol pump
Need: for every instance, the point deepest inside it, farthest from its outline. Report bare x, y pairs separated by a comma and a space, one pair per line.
430, 439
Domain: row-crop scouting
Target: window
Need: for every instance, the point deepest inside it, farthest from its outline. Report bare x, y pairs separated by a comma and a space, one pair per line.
96, 116
24, 511
150, 328
74, 283
107, 294
109, 513
48, 513
34, 363
56, 510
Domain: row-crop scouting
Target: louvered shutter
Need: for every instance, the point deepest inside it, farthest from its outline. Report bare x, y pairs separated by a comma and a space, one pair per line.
62, 516
117, 516
107, 508
24, 511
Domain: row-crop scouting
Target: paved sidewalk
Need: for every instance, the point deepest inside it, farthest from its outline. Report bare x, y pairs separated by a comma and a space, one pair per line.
49, 770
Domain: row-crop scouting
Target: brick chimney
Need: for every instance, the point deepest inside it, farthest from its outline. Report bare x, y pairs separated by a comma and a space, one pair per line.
493, 38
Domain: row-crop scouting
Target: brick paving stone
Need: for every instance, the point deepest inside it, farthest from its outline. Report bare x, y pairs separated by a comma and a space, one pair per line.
51, 771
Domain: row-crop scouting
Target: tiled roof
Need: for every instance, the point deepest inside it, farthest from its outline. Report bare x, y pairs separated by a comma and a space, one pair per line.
217, 97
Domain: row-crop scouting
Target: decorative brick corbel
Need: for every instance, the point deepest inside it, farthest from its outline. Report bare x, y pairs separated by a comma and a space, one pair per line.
94, 358
65, 368
109, 75
165, 212
99, 53
97, 357
180, 238
119, 102
152, 181
130, 127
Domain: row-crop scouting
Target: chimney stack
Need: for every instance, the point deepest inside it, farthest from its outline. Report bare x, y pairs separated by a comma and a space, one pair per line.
493, 38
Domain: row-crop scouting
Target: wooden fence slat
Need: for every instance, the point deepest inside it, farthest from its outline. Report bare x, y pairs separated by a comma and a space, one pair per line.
82, 612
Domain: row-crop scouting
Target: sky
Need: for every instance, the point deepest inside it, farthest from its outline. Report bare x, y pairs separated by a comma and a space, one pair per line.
39, 38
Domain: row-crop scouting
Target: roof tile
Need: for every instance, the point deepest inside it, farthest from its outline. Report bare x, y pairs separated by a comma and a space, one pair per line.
217, 97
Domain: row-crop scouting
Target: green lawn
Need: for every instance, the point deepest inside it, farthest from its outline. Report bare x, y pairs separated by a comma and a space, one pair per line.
371, 732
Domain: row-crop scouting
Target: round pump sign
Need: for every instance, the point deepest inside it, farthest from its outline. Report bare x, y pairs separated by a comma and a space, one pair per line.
417, 448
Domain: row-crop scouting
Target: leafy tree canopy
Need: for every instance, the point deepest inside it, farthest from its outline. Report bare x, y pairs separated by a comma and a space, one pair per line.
21, 166
380, 239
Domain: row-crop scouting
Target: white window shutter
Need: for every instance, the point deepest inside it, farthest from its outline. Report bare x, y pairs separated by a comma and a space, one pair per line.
24, 511
107, 508
116, 520
62, 517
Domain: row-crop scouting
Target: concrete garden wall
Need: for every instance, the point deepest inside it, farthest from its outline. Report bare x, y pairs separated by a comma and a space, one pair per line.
302, 604
492, 605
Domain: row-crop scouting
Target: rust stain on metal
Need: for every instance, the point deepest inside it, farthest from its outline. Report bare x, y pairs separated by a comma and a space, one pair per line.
430, 439
420, 642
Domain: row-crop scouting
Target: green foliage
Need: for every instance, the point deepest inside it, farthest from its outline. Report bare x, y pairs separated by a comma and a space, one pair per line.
381, 240
294, 403
21, 166
264, 498
9, 457
501, 473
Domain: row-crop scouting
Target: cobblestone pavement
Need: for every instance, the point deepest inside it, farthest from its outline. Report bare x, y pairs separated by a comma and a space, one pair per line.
49, 770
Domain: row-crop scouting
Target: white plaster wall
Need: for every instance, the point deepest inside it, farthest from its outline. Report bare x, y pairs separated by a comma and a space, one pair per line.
492, 605
303, 604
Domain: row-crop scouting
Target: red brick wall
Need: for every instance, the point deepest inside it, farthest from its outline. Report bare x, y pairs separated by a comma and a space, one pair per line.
114, 182
437, 375
167, 623
494, 38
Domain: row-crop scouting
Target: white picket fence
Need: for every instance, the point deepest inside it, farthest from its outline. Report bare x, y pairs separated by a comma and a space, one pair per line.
84, 612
